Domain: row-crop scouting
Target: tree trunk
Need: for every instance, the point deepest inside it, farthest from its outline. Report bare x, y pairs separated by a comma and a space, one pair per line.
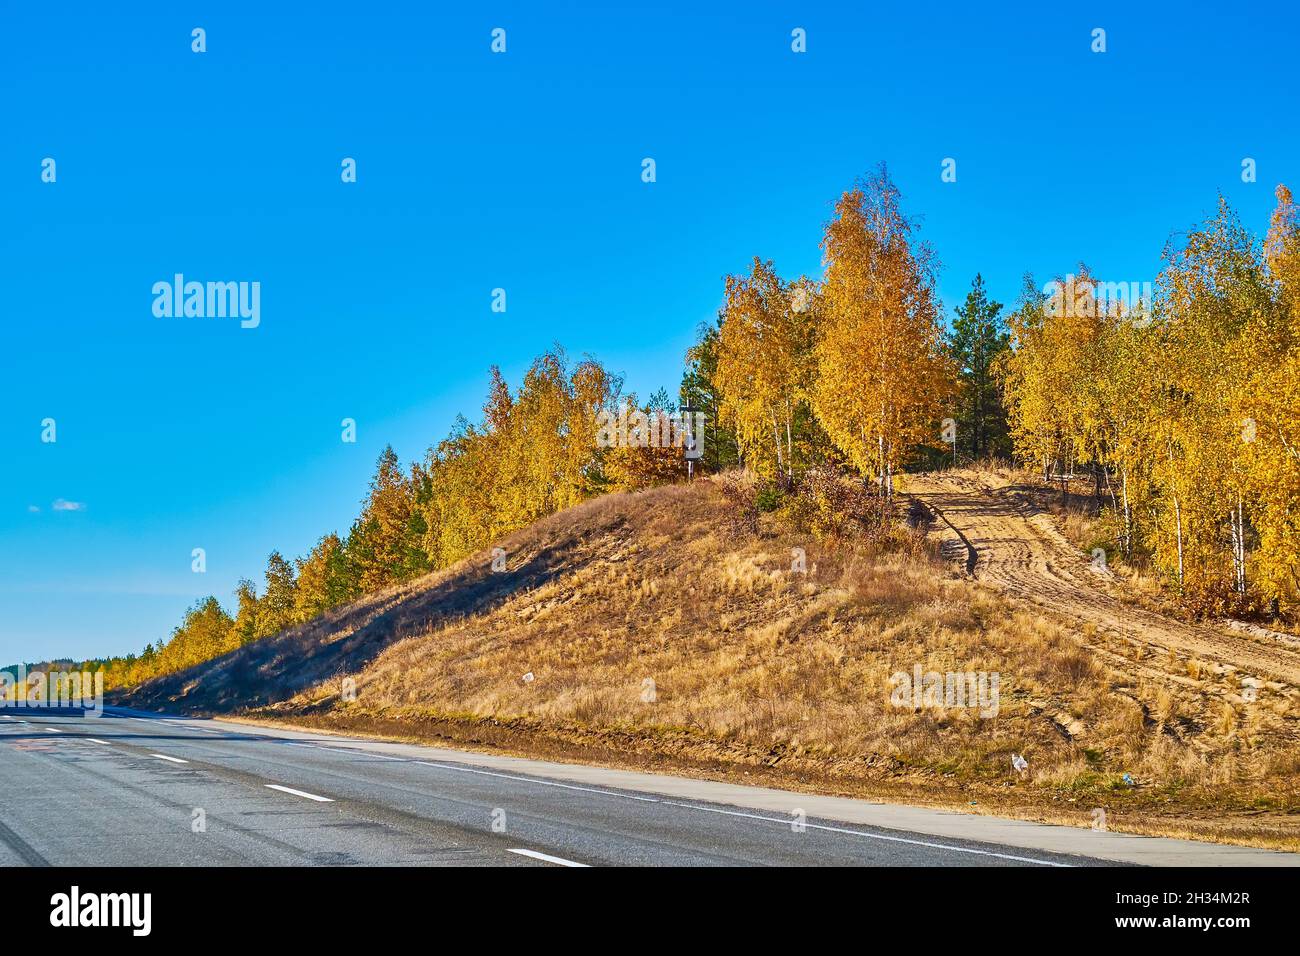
1128, 519
1238, 524
1178, 529
880, 462
776, 437
789, 445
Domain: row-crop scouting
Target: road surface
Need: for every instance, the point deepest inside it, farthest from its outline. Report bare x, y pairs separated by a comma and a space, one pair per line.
145, 790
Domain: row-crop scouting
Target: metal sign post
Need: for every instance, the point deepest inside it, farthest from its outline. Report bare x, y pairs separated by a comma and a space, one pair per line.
693, 446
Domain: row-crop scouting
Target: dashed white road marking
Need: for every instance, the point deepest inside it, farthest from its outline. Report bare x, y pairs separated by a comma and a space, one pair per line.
629, 796
299, 793
96, 740
692, 806
559, 861
172, 759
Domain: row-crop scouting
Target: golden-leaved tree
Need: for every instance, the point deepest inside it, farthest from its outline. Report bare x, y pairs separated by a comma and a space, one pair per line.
884, 380
322, 581
534, 453
764, 366
1187, 409
1270, 413
1212, 295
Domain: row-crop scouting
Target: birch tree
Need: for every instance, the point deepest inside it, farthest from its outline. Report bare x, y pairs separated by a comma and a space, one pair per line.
883, 375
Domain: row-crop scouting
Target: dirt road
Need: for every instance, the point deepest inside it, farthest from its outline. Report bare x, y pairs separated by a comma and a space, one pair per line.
1005, 541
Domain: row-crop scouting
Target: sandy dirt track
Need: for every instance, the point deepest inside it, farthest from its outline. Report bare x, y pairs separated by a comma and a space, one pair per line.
1003, 540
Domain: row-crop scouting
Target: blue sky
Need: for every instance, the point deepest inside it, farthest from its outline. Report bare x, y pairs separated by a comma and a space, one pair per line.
519, 171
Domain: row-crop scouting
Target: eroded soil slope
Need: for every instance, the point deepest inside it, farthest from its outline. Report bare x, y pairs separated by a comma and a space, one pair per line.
1006, 542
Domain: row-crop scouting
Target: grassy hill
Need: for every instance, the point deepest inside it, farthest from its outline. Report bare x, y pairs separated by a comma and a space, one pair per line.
667, 629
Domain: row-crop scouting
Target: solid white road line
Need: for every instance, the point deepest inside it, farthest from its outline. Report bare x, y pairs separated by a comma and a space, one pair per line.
172, 759
751, 816
536, 780
348, 750
690, 806
299, 793
560, 861
871, 836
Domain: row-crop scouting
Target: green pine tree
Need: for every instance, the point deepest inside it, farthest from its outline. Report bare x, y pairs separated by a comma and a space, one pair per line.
979, 337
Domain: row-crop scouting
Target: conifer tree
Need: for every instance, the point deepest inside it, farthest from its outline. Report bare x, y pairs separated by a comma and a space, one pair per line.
978, 341
699, 390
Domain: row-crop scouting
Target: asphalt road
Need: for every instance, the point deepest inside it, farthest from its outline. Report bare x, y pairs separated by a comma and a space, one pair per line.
148, 791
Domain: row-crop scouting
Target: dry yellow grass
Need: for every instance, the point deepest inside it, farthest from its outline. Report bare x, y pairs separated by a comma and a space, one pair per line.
658, 634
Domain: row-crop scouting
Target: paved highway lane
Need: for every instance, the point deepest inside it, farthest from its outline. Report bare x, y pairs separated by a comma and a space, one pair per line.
98, 792
133, 790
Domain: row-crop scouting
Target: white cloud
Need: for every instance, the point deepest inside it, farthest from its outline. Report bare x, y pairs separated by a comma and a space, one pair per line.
62, 505
34, 509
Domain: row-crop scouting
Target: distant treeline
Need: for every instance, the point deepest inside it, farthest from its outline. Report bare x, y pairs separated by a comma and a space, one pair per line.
1185, 411
534, 452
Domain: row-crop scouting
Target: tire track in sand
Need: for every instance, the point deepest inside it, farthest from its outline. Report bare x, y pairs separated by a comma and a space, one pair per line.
1017, 549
